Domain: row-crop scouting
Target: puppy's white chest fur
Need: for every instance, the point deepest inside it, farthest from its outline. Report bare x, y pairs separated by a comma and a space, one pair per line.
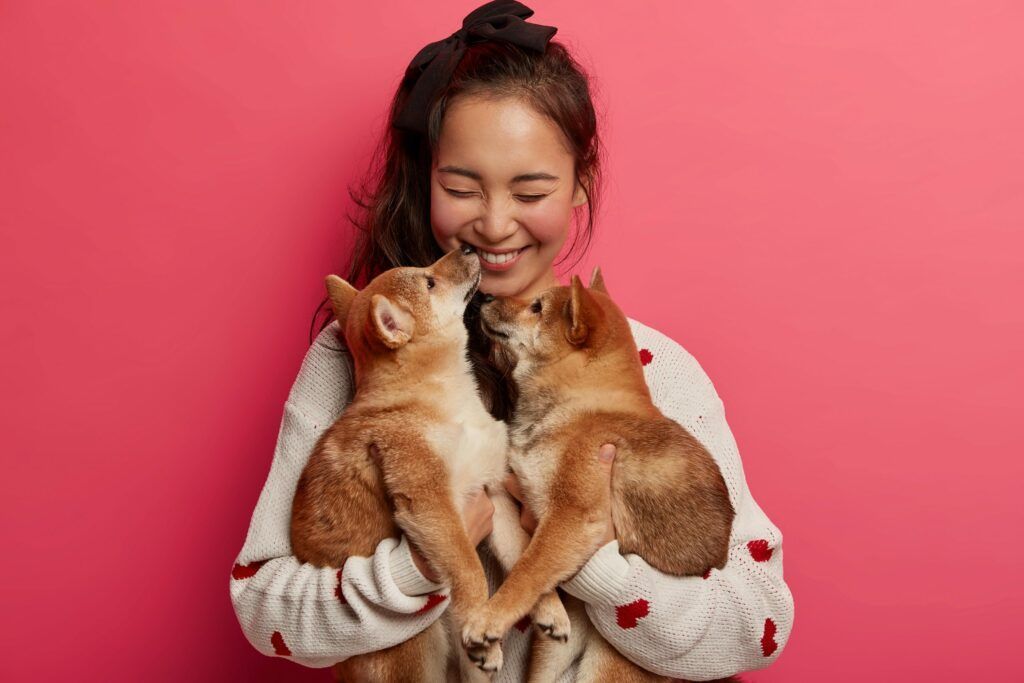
473, 445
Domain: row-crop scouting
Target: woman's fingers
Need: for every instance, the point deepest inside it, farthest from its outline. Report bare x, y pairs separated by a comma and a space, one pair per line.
512, 486
477, 516
526, 518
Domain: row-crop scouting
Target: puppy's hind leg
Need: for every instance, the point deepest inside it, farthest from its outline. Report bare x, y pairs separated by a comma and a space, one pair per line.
601, 662
550, 658
420, 659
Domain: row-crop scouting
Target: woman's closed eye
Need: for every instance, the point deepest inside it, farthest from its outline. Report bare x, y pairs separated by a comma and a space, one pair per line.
521, 197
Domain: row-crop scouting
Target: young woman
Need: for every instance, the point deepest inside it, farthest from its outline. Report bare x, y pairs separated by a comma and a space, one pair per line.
493, 143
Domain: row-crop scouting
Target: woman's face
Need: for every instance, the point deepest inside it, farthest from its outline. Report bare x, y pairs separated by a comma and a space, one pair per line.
503, 181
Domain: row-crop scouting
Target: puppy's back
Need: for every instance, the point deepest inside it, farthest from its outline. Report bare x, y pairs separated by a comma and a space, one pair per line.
670, 502
340, 506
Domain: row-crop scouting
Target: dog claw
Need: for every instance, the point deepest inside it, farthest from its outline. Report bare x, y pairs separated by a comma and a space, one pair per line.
486, 642
488, 659
550, 618
549, 631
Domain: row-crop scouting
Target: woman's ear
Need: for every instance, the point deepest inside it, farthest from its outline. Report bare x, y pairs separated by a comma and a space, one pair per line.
579, 196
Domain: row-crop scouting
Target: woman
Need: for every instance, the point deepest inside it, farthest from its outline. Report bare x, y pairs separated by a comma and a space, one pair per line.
493, 142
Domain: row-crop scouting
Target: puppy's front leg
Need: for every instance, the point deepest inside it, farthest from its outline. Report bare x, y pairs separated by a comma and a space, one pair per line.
508, 541
417, 483
572, 524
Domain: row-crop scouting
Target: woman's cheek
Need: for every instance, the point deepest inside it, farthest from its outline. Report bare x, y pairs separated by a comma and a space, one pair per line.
549, 224
446, 217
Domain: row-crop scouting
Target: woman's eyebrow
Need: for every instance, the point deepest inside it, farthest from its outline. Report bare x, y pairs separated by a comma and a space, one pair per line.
521, 178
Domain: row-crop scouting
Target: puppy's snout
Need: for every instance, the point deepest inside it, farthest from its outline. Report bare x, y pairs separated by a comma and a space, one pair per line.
467, 249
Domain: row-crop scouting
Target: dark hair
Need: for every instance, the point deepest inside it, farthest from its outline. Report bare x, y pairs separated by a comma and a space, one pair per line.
393, 216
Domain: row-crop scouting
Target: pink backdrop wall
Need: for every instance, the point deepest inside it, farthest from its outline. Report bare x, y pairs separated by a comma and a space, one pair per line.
823, 202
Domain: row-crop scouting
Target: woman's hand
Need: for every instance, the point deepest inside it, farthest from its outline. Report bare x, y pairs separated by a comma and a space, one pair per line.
476, 517
605, 456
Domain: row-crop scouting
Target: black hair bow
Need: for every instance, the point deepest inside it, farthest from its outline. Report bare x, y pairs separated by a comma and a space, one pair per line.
432, 67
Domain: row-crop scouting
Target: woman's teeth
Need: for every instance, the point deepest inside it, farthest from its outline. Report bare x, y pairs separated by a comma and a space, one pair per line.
499, 258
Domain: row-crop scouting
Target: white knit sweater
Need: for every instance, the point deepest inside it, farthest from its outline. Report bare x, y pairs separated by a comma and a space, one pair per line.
698, 628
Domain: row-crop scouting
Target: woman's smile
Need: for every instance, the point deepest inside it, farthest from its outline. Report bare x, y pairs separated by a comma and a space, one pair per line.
500, 260
499, 153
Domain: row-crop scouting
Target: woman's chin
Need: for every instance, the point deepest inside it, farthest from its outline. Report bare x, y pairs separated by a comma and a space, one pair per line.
502, 288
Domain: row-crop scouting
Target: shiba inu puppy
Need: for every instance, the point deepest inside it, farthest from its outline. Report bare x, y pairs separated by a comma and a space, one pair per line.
404, 456
581, 385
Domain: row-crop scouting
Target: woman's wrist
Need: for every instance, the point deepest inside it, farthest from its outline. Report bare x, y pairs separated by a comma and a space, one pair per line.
422, 565
405, 572
602, 578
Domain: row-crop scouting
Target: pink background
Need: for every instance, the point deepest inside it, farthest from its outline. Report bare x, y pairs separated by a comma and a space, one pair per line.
823, 202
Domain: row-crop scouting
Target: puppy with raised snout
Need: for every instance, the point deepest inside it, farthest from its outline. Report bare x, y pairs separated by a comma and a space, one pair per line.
581, 385
404, 456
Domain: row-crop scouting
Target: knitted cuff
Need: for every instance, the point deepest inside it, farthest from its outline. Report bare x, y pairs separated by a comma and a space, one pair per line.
407, 576
602, 579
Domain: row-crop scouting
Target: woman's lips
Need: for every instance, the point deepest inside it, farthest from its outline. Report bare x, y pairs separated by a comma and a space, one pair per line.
484, 263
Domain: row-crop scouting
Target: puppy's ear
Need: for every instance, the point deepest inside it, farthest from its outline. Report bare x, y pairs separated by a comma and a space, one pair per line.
390, 322
582, 313
597, 281
342, 294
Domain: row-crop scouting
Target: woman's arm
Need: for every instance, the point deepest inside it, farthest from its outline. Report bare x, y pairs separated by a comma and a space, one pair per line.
318, 616
732, 620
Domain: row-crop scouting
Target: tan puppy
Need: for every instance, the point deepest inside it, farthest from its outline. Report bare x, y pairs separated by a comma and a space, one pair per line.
581, 385
417, 408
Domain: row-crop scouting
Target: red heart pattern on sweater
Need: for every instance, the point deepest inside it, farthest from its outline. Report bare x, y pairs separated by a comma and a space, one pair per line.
432, 599
645, 357
244, 571
768, 644
627, 616
277, 640
759, 550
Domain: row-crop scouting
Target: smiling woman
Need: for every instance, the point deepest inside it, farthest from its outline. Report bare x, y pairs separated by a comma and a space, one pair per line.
506, 160
483, 194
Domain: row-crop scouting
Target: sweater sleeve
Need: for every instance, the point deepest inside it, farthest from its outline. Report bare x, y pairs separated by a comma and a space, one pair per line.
318, 616
695, 627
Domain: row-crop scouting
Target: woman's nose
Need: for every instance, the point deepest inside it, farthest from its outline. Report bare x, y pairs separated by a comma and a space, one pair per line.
497, 225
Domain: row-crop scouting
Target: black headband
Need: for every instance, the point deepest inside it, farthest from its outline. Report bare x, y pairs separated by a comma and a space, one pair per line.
432, 67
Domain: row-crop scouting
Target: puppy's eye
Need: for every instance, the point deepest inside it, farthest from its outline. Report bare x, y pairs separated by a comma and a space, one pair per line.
430, 282
535, 306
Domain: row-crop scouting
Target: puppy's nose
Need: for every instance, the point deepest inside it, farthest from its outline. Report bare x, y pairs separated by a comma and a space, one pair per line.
467, 249
488, 298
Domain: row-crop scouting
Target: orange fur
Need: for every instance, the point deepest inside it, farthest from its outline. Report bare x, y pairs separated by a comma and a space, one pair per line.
407, 340
581, 385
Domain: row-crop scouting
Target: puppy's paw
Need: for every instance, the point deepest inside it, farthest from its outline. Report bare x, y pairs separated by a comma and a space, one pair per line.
488, 658
481, 634
550, 617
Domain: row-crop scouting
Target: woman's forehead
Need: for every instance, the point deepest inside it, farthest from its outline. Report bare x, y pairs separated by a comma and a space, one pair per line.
501, 138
